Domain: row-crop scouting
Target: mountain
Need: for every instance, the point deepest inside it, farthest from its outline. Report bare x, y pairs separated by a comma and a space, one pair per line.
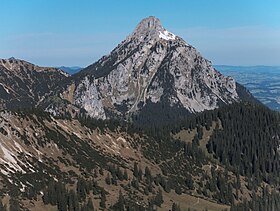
70, 70
23, 85
151, 69
223, 154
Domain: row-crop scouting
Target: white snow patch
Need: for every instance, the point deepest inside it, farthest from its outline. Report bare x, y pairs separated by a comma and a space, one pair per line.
63, 73
36, 150
39, 154
109, 136
23, 187
4, 64
166, 35
52, 110
4, 87
10, 160
7, 154
111, 149
18, 146
31, 168
4, 172
121, 139
78, 135
115, 145
55, 145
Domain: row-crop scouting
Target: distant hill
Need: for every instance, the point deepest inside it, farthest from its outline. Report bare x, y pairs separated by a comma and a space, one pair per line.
71, 70
262, 81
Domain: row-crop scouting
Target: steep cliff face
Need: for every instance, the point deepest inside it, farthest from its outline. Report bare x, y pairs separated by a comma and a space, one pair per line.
23, 85
151, 66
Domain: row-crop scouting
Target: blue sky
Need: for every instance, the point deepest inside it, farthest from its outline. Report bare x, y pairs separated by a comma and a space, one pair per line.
72, 32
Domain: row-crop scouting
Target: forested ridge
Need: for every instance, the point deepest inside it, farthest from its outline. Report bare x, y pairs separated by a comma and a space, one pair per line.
229, 156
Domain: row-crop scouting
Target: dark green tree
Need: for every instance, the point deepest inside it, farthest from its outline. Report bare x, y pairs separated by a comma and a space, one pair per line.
88, 206
103, 199
108, 179
120, 205
14, 204
135, 170
175, 207
158, 198
147, 172
2, 207
81, 189
73, 202
125, 175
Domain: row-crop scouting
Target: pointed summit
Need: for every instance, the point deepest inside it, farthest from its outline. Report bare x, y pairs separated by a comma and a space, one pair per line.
151, 69
151, 27
149, 24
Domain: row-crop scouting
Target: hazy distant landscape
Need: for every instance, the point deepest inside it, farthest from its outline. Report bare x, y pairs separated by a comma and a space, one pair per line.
262, 81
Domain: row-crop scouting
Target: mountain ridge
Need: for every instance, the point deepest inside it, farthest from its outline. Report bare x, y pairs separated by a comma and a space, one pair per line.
23, 84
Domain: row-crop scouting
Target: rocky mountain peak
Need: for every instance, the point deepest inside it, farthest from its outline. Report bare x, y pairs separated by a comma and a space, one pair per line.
151, 28
147, 25
151, 69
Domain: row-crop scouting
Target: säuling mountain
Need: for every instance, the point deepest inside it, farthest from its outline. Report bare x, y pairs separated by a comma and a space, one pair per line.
151, 68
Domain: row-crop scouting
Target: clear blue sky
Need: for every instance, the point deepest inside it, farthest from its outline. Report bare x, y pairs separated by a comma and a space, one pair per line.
72, 32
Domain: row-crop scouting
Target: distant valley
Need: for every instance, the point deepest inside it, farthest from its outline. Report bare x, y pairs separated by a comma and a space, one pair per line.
262, 81
71, 70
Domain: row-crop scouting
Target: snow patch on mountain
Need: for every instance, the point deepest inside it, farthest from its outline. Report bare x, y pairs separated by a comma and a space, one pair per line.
9, 159
167, 35
5, 88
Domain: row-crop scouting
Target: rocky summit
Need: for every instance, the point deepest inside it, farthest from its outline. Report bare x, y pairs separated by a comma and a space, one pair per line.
151, 68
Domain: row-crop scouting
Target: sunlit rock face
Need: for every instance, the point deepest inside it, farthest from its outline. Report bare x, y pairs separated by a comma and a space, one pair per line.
151, 65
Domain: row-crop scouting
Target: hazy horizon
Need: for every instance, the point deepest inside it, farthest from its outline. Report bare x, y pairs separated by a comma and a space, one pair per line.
69, 33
